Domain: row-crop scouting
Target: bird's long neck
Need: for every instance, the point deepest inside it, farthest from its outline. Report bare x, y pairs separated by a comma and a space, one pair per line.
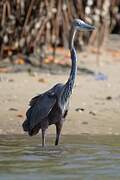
67, 91
72, 37
70, 83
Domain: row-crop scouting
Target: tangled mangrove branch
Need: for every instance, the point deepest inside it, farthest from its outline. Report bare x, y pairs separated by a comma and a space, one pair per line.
27, 25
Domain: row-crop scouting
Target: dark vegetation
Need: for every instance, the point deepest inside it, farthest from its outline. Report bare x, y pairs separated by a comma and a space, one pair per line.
38, 27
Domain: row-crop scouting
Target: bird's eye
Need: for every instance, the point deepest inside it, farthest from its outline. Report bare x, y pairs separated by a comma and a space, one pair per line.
78, 24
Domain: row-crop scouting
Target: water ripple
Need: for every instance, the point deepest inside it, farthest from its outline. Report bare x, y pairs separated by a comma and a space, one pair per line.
78, 157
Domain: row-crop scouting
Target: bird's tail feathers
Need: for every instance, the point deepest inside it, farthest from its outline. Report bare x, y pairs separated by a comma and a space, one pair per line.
34, 131
25, 125
31, 132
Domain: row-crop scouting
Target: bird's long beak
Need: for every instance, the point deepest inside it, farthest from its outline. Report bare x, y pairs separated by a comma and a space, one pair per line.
84, 26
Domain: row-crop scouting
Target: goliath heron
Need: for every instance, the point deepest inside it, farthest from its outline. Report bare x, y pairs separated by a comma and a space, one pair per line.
51, 107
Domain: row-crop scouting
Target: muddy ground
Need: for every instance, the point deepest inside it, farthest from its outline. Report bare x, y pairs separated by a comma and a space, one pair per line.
94, 105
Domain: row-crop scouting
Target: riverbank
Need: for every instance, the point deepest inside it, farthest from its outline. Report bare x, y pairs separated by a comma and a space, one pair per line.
94, 105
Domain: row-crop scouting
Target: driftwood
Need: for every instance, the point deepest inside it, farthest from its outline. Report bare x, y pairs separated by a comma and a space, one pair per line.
27, 25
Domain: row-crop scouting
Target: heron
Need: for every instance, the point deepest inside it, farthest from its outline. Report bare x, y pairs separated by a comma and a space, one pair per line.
51, 107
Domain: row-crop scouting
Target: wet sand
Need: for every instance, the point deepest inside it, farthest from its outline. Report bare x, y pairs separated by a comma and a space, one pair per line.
94, 105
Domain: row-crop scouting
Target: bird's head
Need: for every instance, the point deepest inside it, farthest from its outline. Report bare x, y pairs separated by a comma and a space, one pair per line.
81, 25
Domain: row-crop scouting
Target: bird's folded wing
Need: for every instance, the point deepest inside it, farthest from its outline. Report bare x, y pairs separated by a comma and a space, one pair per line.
40, 107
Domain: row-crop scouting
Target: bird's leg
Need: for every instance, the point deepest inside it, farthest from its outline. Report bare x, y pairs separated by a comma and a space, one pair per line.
58, 131
44, 126
43, 137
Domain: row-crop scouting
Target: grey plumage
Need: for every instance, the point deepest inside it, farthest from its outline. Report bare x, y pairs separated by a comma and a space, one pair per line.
52, 106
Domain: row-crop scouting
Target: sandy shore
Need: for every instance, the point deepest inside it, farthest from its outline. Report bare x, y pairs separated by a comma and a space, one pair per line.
94, 105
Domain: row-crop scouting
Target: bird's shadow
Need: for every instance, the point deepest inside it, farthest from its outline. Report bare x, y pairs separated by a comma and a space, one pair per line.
49, 150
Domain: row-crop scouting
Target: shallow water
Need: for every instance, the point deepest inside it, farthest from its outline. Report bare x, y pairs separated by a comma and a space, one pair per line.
76, 158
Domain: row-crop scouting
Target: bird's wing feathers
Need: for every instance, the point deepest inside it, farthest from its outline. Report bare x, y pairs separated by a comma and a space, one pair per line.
34, 100
41, 105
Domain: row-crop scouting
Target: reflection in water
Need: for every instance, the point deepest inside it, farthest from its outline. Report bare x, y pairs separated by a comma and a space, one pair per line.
78, 157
